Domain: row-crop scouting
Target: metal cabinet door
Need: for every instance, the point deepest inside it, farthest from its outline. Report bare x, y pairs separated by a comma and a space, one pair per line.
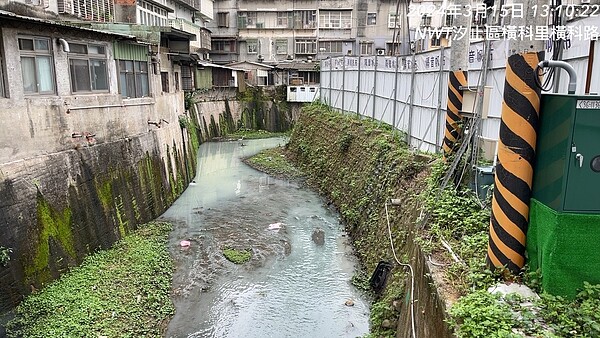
583, 178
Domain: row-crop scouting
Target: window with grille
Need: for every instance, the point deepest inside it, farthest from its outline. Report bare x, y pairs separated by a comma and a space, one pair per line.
187, 81
223, 46
37, 65
281, 46
393, 21
87, 68
151, 15
284, 19
426, 20
330, 46
133, 78
306, 46
371, 19
252, 46
366, 48
335, 19
305, 19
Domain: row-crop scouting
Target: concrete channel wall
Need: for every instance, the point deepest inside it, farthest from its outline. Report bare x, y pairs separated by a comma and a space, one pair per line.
78, 173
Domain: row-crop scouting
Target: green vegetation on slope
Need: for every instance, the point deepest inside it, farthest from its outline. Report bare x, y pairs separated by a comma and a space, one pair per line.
249, 134
462, 222
360, 165
120, 292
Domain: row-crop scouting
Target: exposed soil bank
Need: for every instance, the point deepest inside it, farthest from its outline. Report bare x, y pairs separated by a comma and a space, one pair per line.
360, 167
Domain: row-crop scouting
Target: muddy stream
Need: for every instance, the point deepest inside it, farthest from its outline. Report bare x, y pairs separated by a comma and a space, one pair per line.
291, 287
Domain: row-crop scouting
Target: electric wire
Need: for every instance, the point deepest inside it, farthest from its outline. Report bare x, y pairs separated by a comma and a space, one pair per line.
557, 48
412, 274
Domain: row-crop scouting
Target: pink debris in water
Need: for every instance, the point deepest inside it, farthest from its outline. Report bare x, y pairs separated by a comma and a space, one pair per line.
184, 244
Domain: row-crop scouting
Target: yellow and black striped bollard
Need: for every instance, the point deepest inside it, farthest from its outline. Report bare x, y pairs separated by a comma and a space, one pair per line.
453, 116
514, 171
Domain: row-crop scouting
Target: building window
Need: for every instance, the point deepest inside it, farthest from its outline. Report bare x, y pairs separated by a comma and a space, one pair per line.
247, 20
393, 48
37, 65
436, 42
366, 48
151, 15
330, 47
335, 19
305, 19
281, 47
426, 20
187, 81
371, 19
223, 46
306, 46
252, 46
449, 21
176, 81
133, 78
87, 67
164, 81
393, 21
285, 19
223, 19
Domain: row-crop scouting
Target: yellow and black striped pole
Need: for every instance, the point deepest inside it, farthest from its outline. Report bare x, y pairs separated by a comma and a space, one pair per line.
453, 116
514, 171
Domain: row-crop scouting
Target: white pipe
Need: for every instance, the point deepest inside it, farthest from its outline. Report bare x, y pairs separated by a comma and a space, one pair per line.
65, 45
565, 66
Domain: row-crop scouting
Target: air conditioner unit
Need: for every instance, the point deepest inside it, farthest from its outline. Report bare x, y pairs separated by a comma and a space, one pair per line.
585, 1
381, 52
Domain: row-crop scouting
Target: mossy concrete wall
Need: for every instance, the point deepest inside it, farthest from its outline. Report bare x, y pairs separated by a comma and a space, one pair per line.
360, 166
79, 195
256, 109
72, 198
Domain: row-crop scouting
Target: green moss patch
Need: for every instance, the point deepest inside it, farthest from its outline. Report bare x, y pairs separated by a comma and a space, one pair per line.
237, 256
120, 292
274, 162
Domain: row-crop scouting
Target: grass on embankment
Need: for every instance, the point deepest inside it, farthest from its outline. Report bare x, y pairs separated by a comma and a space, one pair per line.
120, 292
275, 163
248, 134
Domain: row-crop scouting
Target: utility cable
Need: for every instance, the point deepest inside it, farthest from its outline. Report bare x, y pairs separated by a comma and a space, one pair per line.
412, 274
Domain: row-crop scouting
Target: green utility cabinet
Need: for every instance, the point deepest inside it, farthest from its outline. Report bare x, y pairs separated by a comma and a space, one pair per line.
564, 221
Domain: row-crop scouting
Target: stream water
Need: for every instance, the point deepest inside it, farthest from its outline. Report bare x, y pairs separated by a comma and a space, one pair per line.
291, 287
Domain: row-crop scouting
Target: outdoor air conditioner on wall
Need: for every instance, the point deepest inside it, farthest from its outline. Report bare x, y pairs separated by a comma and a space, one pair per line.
381, 52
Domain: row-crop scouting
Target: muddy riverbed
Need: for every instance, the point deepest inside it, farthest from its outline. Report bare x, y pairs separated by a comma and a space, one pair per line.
291, 287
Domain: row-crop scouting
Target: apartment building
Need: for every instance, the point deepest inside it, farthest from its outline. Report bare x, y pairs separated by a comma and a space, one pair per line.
302, 30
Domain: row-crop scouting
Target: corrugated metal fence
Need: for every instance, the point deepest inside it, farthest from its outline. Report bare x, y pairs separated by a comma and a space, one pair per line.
410, 92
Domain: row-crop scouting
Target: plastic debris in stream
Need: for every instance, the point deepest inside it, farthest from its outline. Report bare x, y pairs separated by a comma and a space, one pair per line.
275, 226
185, 244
